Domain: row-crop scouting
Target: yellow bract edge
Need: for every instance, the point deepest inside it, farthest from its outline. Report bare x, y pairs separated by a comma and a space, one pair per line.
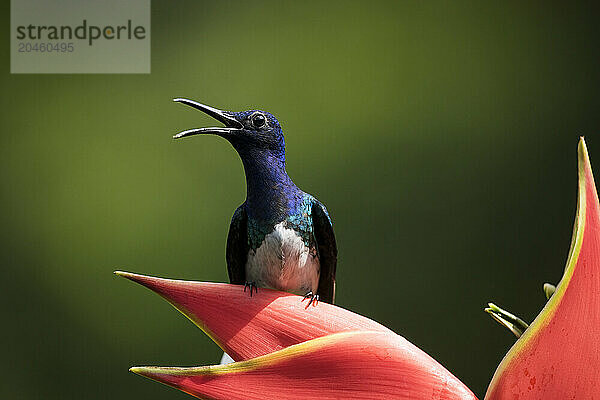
309, 346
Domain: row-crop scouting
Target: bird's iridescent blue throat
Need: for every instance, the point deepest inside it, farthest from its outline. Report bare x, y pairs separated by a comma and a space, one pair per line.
258, 139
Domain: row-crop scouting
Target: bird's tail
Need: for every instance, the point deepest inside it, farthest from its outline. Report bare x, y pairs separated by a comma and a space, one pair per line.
226, 359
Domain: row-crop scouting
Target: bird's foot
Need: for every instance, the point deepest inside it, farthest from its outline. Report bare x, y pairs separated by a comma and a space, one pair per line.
314, 299
252, 286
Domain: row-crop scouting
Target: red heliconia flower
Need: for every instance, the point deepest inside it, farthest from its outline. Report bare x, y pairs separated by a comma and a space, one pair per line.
287, 350
558, 356
295, 352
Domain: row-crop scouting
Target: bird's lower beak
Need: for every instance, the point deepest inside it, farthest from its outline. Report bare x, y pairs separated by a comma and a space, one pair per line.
231, 124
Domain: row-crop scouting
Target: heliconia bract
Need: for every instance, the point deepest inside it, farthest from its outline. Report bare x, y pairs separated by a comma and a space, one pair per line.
247, 327
558, 356
349, 365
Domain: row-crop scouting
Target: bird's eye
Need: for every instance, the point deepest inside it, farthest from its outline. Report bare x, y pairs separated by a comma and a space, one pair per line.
258, 120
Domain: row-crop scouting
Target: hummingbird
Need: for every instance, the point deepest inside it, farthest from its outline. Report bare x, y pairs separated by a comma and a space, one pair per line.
280, 237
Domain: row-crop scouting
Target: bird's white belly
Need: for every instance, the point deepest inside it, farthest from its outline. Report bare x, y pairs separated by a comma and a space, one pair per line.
284, 262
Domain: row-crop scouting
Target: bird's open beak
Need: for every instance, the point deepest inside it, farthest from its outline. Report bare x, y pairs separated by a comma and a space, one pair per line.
231, 124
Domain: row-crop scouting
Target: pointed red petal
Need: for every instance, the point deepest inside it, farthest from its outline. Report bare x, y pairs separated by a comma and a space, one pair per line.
247, 327
558, 356
351, 365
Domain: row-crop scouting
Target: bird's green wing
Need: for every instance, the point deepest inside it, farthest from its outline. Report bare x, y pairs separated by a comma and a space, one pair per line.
327, 250
237, 246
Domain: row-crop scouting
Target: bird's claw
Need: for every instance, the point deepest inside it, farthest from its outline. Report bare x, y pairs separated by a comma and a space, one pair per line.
252, 287
314, 299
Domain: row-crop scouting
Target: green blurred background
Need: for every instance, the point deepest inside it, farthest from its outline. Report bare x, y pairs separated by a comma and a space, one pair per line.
441, 136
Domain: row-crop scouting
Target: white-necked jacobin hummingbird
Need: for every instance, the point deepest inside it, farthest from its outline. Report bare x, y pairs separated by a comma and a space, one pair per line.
280, 237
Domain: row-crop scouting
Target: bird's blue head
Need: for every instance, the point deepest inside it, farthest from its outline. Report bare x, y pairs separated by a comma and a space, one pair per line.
254, 133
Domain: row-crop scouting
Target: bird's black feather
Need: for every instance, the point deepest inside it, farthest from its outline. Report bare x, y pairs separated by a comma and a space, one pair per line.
327, 250
237, 246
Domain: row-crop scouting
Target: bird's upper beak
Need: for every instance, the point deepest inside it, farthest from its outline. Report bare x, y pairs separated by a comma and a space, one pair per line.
231, 124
